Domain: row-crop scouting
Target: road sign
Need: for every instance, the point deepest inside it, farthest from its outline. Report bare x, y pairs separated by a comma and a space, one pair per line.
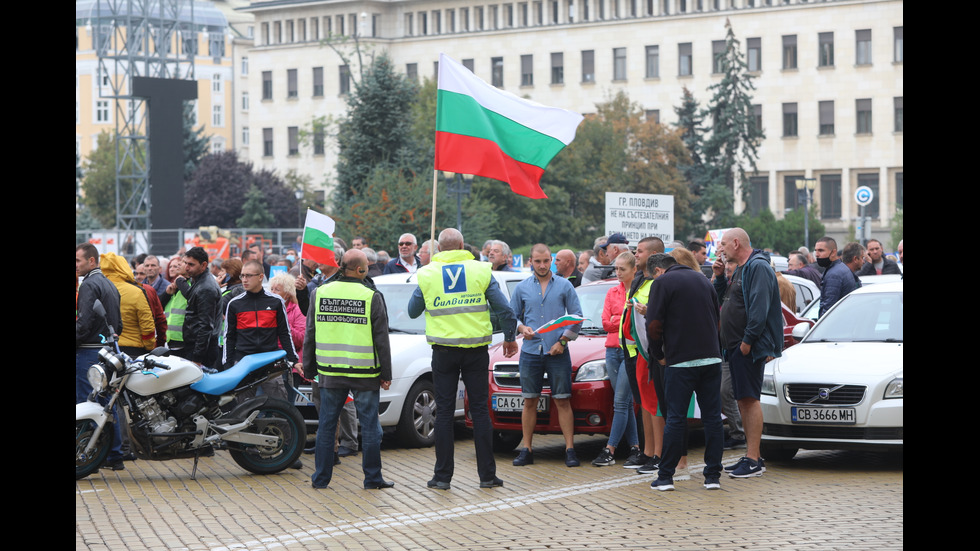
863, 195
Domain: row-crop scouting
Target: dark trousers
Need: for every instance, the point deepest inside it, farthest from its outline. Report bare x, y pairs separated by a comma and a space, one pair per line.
448, 364
679, 383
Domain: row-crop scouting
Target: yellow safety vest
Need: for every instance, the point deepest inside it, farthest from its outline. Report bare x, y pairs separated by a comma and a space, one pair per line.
342, 331
642, 295
175, 311
454, 287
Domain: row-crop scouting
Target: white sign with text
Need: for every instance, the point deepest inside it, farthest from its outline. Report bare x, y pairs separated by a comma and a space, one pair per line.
639, 215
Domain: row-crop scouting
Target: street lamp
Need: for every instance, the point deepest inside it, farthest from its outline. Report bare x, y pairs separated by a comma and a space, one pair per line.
807, 185
460, 184
299, 199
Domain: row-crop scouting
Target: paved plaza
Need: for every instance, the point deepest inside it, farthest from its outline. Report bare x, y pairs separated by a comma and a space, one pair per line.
820, 500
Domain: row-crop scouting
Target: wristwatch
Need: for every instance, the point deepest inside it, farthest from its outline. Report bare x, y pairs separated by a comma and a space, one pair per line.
564, 342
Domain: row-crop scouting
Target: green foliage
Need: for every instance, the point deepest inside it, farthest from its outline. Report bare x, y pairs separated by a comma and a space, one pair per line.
195, 142
898, 228
254, 213
99, 184
376, 131
222, 185
783, 235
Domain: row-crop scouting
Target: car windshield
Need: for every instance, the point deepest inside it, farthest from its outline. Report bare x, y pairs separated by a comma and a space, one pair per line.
396, 300
871, 317
592, 298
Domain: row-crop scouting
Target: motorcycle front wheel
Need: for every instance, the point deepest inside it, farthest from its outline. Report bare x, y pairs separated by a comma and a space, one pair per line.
86, 464
280, 419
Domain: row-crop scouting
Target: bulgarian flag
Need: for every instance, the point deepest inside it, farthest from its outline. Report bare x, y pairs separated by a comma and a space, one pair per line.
492, 133
558, 323
318, 239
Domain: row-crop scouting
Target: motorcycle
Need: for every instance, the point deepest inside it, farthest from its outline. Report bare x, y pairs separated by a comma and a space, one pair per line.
172, 409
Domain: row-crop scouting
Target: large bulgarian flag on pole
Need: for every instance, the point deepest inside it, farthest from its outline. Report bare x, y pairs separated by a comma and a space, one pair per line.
318, 239
492, 133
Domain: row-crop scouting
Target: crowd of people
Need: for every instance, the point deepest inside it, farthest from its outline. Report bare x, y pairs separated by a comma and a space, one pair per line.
678, 325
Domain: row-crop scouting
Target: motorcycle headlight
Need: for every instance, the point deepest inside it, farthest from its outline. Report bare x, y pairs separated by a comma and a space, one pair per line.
592, 371
895, 388
97, 378
111, 359
768, 379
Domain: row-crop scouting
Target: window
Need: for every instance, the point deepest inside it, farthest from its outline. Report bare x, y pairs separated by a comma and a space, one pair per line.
352, 25
497, 71
468, 63
464, 19
871, 181
554, 13
494, 12
290, 37
899, 189
899, 46
557, 68
412, 71
571, 11
863, 47
790, 129
758, 194
293, 133
684, 61
216, 45
408, 24
864, 116
217, 146
318, 82
340, 25
527, 70
277, 32
102, 111
524, 15
826, 49
826, 118
899, 114
652, 115
217, 117
266, 85
619, 63
830, 198
216, 84
792, 198
717, 57
245, 135
245, 101
423, 23
344, 74
315, 29
754, 58
451, 21
266, 142
302, 30
436, 22
757, 116
508, 16
319, 139
585, 10
244, 65
588, 66
292, 87
789, 51
653, 61
479, 23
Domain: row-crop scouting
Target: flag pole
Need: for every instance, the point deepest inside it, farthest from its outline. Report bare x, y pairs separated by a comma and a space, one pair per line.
432, 230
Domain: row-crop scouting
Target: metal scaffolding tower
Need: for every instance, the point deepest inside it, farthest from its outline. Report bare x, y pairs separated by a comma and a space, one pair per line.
139, 38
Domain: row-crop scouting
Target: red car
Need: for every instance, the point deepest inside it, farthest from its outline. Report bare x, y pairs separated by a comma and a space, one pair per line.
592, 394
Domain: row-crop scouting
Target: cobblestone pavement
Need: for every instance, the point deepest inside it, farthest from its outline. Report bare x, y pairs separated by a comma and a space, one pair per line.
820, 500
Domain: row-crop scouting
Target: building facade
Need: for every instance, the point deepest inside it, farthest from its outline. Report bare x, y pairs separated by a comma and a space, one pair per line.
829, 86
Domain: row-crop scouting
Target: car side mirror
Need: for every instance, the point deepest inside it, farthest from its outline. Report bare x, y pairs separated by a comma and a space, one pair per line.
800, 330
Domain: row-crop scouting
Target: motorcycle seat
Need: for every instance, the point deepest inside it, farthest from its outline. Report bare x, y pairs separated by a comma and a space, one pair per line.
225, 381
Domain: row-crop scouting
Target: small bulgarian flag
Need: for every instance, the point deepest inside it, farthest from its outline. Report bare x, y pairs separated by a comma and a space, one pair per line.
318, 239
563, 321
492, 133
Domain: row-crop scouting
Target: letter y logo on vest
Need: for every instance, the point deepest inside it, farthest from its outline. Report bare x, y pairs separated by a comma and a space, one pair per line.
453, 279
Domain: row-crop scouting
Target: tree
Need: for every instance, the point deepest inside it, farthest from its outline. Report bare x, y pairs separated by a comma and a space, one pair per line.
254, 213
690, 121
376, 130
779, 235
898, 228
734, 139
99, 184
195, 142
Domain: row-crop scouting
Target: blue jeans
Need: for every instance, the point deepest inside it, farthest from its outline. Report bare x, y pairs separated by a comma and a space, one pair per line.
623, 421
331, 404
679, 383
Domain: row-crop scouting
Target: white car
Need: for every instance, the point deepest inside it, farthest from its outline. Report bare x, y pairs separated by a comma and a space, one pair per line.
807, 292
842, 386
408, 407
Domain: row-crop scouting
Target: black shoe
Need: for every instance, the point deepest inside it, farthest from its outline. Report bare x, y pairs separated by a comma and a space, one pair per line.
297, 465
344, 451
336, 460
379, 485
437, 485
129, 457
116, 465
315, 487
525, 457
605, 458
650, 466
571, 460
495, 483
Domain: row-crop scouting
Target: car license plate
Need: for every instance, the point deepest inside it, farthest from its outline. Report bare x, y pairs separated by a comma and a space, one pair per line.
515, 402
840, 416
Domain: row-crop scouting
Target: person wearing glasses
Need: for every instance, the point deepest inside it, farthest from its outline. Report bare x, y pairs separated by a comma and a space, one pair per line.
407, 261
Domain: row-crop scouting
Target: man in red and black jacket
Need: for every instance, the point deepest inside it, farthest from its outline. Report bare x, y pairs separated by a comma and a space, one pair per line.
256, 320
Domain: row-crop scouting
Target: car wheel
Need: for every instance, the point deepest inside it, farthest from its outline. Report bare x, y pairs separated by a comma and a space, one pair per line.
505, 441
772, 453
417, 424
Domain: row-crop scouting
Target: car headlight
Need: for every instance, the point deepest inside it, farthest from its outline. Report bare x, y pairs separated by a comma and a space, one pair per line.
591, 371
895, 388
97, 378
768, 379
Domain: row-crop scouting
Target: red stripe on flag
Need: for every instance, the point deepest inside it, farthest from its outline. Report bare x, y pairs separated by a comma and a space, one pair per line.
469, 155
319, 255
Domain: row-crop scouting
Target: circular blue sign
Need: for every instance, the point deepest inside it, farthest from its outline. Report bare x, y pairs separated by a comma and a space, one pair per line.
864, 196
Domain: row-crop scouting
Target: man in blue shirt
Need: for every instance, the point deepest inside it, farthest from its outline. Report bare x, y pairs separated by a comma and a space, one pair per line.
536, 301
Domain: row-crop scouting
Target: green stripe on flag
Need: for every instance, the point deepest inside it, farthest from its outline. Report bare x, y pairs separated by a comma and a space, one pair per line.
317, 238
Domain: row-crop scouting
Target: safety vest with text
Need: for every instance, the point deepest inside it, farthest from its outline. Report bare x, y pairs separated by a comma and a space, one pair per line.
342, 331
454, 287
